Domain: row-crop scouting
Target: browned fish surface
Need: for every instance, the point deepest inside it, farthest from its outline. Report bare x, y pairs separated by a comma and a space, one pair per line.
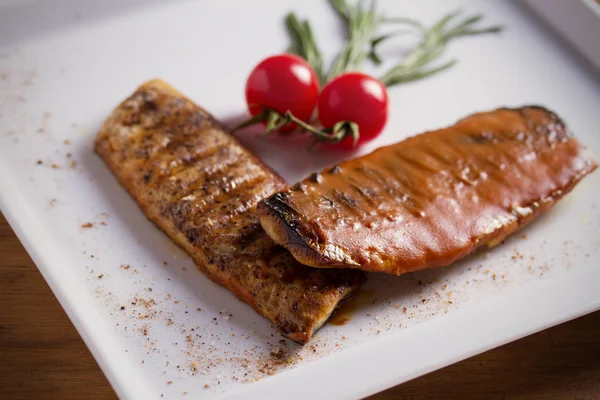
200, 186
433, 198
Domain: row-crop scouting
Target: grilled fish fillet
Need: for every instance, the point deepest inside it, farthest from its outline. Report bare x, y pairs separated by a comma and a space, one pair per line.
430, 199
200, 186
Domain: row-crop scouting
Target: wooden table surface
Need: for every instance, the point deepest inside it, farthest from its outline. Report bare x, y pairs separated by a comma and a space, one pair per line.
43, 357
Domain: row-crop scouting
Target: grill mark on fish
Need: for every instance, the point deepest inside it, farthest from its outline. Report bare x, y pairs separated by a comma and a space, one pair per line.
400, 169
235, 205
389, 186
222, 185
518, 173
442, 193
216, 159
219, 150
420, 164
368, 193
157, 126
159, 173
233, 200
191, 179
346, 200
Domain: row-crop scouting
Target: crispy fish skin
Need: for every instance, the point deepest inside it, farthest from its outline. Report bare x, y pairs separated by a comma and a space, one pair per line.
200, 186
433, 198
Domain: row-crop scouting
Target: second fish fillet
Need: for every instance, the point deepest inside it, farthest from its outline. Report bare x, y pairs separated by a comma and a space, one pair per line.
433, 198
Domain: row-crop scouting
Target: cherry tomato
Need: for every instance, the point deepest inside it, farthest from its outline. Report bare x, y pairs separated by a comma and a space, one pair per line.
355, 97
283, 82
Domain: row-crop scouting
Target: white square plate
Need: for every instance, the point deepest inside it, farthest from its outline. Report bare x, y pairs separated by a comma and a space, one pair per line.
155, 324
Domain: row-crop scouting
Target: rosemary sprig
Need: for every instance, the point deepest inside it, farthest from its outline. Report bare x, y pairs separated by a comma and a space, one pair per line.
417, 64
304, 44
361, 25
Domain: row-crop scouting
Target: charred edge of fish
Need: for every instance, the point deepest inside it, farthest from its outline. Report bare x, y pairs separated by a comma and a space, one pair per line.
567, 133
298, 187
315, 177
336, 169
553, 117
296, 234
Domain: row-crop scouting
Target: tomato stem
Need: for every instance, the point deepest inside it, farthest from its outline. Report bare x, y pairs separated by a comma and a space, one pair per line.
275, 120
255, 119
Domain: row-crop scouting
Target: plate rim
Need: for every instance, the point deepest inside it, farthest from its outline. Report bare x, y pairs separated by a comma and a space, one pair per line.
118, 369
357, 362
128, 382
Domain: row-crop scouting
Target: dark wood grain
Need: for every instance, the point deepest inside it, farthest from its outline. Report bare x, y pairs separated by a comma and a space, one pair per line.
41, 354
43, 357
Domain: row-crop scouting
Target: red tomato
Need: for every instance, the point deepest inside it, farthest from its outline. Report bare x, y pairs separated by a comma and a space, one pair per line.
355, 97
283, 82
